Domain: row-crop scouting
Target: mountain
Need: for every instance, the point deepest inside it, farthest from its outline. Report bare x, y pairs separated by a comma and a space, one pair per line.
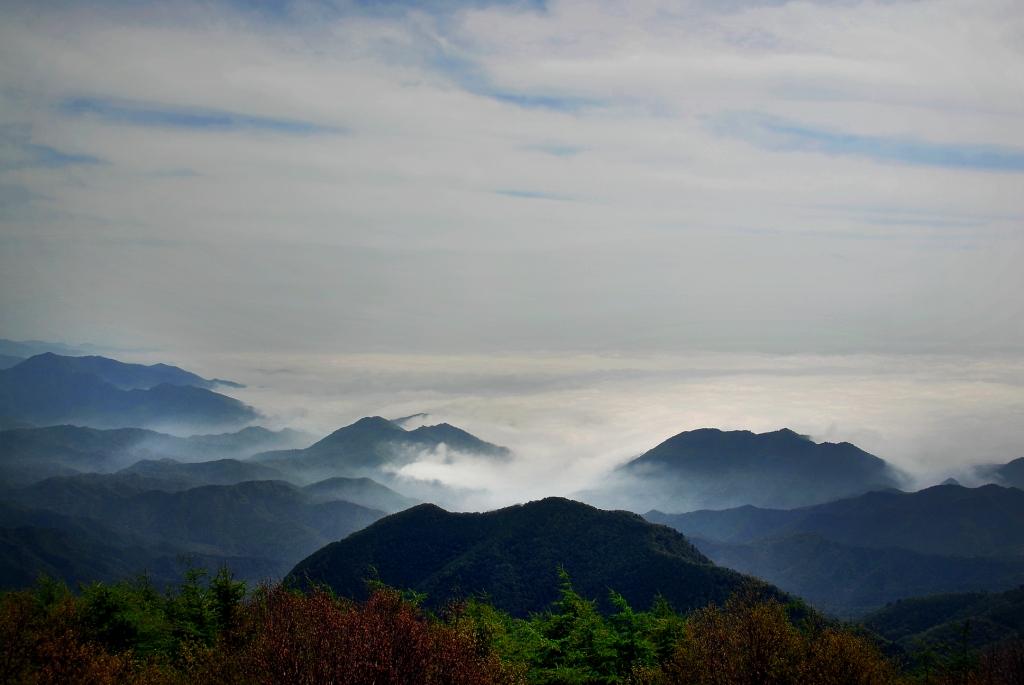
947, 520
710, 468
362, 491
1010, 474
193, 474
7, 361
32, 454
120, 374
79, 550
366, 446
30, 348
512, 555
949, 622
270, 520
47, 389
848, 581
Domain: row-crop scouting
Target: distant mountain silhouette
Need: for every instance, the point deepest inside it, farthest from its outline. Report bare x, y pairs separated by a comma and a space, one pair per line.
30, 348
710, 468
946, 519
183, 475
366, 446
7, 361
29, 455
849, 581
120, 374
512, 555
1010, 474
362, 491
50, 389
948, 622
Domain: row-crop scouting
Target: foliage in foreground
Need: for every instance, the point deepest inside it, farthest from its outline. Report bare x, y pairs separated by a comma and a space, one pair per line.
210, 630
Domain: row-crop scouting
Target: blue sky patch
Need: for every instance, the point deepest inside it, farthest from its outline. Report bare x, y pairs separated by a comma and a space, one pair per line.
164, 116
774, 133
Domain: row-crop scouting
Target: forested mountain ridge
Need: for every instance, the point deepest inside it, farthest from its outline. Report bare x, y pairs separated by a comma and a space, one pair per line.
512, 556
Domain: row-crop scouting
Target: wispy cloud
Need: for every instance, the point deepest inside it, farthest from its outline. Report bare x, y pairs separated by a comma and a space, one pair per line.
557, 150
17, 151
533, 195
472, 77
539, 101
780, 134
165, 116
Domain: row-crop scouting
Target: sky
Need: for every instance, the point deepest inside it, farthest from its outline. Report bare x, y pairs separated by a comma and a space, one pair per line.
562, 185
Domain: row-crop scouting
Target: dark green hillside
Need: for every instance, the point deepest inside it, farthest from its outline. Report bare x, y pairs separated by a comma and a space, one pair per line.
710, 468
264, 519
75, 550
849, 581
512, 555
947, 620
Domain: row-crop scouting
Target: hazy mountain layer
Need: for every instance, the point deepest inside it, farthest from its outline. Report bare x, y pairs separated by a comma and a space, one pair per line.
1010, 474
849, 581
50, 389
362, 491
30, 455
367, 446
121, 374
946, 519
710, 468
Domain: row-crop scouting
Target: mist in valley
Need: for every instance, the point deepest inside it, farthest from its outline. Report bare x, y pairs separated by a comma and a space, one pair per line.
571, 420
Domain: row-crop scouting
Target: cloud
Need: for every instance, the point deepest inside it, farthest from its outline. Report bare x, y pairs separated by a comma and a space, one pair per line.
783, 135
533, 195
351, 177
17, 151
199, 119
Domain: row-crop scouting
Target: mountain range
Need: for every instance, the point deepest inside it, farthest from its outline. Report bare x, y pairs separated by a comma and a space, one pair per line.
371, 447
28, 455
513, 556
51, 389
1010, 474
711, 468
856, 555
953, 621
271, 521
947, 520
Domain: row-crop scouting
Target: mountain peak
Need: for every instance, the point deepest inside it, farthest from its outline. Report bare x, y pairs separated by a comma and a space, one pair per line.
712, 468
513, 554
